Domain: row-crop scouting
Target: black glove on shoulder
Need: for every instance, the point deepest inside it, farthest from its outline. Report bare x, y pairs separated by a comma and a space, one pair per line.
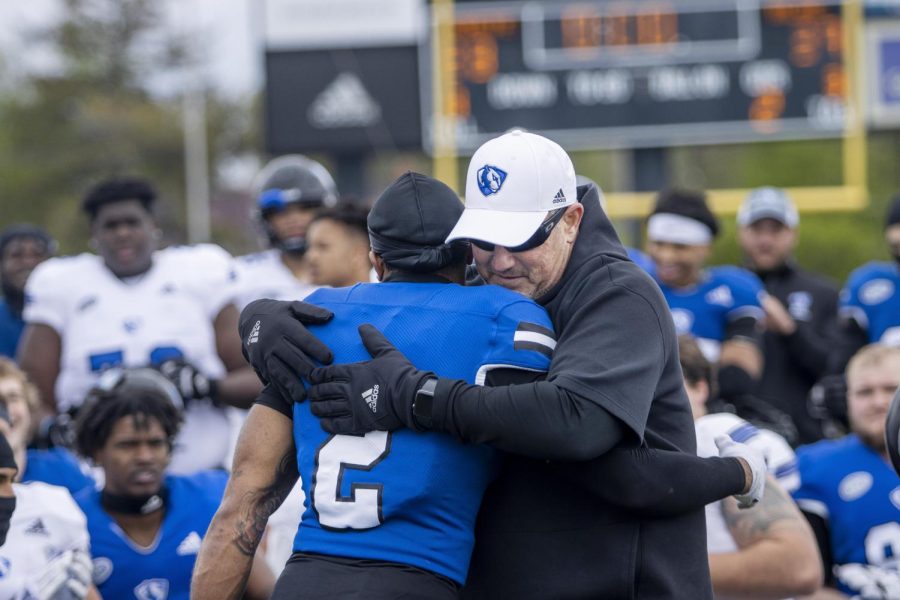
278, 346
374, 395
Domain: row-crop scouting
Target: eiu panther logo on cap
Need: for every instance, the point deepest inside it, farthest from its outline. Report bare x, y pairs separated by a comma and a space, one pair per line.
490, 179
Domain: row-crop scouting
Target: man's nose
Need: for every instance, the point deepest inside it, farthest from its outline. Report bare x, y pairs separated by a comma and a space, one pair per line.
503, 259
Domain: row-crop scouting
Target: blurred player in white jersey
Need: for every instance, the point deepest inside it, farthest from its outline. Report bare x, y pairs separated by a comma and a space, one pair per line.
768, 551
134, 305
44, 545
289, 191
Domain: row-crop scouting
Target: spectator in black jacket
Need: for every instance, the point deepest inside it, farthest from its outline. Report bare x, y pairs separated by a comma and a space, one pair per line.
801, 308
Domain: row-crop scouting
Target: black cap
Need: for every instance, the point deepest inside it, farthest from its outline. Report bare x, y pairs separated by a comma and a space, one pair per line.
893, 213
7, 460
687, 203
24, 230
410, 221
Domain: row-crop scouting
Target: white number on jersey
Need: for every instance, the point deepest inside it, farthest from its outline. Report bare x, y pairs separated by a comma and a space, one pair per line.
883, 543
362, 508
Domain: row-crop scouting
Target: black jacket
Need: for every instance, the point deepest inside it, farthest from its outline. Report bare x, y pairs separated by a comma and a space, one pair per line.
541, 533
795, 362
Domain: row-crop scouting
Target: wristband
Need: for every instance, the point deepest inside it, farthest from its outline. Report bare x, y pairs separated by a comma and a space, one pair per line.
423, 404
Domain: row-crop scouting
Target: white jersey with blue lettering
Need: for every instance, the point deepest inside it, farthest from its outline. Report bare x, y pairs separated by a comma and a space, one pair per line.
168, 312
45, 524
780, 459
264, 275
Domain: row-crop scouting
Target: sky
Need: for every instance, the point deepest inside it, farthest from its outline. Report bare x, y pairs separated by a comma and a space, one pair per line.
227, 31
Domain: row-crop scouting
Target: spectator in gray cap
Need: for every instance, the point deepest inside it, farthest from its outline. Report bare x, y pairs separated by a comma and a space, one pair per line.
800, 307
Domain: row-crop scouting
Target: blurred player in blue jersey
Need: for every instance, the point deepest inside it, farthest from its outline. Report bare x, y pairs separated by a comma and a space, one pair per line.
22, 248
145, 527
57, 465
848, 490
870, 301
719, 306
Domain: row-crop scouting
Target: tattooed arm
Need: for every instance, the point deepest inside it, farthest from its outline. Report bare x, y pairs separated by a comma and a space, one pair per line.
265, 470
777, 554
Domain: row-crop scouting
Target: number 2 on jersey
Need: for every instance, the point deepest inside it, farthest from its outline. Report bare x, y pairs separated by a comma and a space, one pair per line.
361, 509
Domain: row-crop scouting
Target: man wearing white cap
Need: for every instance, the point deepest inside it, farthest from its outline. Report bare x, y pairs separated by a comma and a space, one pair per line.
614, 380
801, 308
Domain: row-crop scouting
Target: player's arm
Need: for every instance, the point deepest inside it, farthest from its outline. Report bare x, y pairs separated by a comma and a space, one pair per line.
39, 355
740, 359
777, 554
240, 384
264, 471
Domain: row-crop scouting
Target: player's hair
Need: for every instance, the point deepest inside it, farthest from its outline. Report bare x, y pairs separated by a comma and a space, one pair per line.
868, 356
118, 189
102, 411
694, 365
351, 216
687, 203
9, 370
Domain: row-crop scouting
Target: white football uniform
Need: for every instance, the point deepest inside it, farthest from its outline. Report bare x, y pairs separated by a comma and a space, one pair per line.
780, 460
263, 275
167, 312
46, 523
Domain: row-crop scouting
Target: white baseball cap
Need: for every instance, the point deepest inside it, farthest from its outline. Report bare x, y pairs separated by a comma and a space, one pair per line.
768, 203
512, 183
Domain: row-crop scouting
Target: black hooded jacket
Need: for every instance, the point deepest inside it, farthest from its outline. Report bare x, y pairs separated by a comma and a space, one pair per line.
541, 533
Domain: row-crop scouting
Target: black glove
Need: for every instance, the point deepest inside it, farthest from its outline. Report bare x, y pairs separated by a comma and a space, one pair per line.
374, 395
277, 345
190, 382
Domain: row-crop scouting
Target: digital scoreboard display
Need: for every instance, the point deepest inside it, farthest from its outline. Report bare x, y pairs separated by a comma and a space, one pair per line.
647, 73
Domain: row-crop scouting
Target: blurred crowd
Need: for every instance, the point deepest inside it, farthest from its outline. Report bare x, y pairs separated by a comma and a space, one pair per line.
124, 383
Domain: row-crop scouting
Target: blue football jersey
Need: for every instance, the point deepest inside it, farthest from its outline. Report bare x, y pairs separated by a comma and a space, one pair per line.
57, 466
409, 497
855, 490
872, 298
641, 259
11, 328
704, 310
124, 570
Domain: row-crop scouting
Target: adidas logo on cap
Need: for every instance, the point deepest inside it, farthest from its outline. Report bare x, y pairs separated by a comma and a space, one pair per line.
560, 197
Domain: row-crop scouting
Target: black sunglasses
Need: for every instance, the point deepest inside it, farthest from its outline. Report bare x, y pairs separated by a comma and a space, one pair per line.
539, 237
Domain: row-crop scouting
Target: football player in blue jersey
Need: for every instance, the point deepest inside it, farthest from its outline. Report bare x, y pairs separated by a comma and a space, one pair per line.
387, 513
870, 301
145, 527
22, 248
848, 490
57, 465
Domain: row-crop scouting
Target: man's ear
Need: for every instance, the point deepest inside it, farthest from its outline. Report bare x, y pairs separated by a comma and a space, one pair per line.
571, 221
377, 264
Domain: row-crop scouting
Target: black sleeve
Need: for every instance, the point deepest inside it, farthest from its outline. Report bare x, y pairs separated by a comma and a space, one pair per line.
270, 397
820, 528
813, 341
657, 483
539, 420
851, 338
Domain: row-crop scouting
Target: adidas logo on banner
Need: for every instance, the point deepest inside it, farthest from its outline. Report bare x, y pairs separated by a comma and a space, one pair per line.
37, 528
254, 334
371, 397
559, 197
189, 545
344, 103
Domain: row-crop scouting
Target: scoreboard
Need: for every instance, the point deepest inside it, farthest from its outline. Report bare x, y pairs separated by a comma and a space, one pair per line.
645, 73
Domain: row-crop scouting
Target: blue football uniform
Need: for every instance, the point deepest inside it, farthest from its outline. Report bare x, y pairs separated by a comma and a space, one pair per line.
124, 570
11, 328
872, 299
57, 466
856, 492
407, 497
641, 259
705, 310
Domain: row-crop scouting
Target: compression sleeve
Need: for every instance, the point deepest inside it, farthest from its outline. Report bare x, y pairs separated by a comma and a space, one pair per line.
540, 419
657, 483
270, 397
